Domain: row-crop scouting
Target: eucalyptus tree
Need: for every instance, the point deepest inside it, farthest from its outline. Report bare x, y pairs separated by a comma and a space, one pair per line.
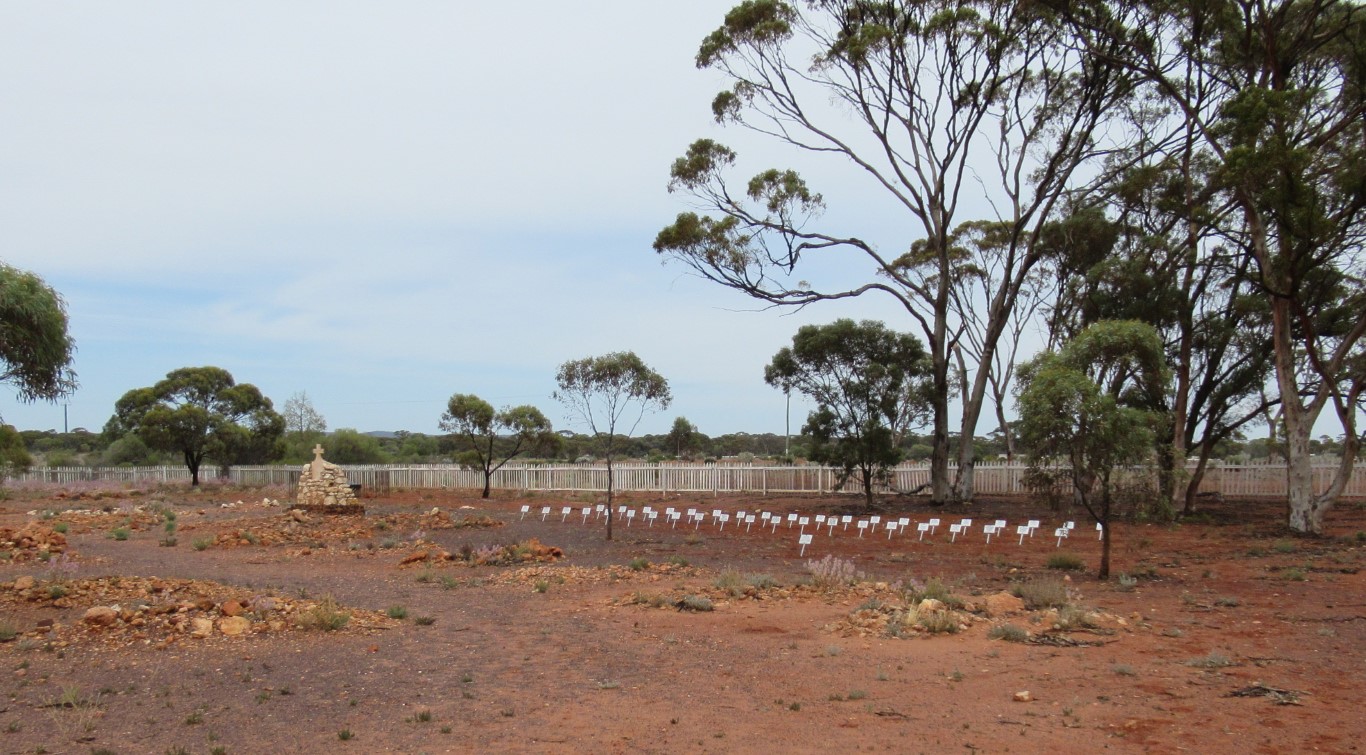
490, 439
867, 383
609, 393
199, 413
1274, 91
927, 96
1089, 405
1164, 260
35, 347
682, 436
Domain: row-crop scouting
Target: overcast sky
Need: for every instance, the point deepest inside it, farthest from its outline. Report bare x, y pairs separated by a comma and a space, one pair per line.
380, 204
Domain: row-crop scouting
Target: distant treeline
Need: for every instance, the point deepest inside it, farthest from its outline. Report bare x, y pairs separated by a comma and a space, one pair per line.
347, 446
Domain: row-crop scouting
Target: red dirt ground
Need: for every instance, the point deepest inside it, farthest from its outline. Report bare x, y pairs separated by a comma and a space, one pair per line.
587, 654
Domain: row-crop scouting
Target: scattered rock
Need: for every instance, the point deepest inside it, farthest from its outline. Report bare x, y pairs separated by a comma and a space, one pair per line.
1002, 604
1023, 696
201, 627
24, 583
231, 608
100, 616
234, 625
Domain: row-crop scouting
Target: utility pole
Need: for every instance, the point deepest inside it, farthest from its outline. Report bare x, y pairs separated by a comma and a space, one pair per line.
66, 424
787, 430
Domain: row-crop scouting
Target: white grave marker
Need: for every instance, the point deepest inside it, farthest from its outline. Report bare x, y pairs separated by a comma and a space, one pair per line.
1023, 530
525, 509
805, 540
891, 528
934, 525
846, 519
923, 527
586, 511
545, 512
954, 529
1060, 533
862, 526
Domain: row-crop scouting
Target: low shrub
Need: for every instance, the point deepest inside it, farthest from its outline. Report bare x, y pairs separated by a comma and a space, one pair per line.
1066, 562
1041, 593
832, 572
325, 616
1008, 632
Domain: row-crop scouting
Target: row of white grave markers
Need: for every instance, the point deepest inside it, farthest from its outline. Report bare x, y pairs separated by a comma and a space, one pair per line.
721, 518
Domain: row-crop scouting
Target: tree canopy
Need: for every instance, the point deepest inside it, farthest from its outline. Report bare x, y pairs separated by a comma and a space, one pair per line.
201, 413
919, 99
1091, 407
489, 439
868, 385
35, 347
610, 393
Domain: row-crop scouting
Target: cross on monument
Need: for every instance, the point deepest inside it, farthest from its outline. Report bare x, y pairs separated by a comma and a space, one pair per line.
315, 470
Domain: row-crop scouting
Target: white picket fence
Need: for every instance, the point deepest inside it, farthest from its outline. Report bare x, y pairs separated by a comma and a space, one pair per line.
991, 479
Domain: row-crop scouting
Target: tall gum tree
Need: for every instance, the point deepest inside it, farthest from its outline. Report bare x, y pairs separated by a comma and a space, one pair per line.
1281, 110
609, 393
200, 413
866, 381
927, 95
493, 438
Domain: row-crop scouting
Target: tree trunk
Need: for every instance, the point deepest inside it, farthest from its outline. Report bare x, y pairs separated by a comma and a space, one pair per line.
610, 513
1198, 476
1305, 513
868, 487
1104, 520
940, 492
1104, 549
488, 483
1006, 434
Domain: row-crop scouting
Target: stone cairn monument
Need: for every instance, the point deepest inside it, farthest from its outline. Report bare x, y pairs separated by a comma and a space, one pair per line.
323, 488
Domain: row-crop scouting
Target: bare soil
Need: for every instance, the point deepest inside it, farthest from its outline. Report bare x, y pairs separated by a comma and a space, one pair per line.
1230, 636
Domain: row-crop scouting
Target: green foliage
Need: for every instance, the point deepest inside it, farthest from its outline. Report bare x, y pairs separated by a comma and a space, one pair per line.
201, 412
1091, 406
14, 457
129, 451
487, 440
610, 392
682, 436
866, 381
35, 348
349, 446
